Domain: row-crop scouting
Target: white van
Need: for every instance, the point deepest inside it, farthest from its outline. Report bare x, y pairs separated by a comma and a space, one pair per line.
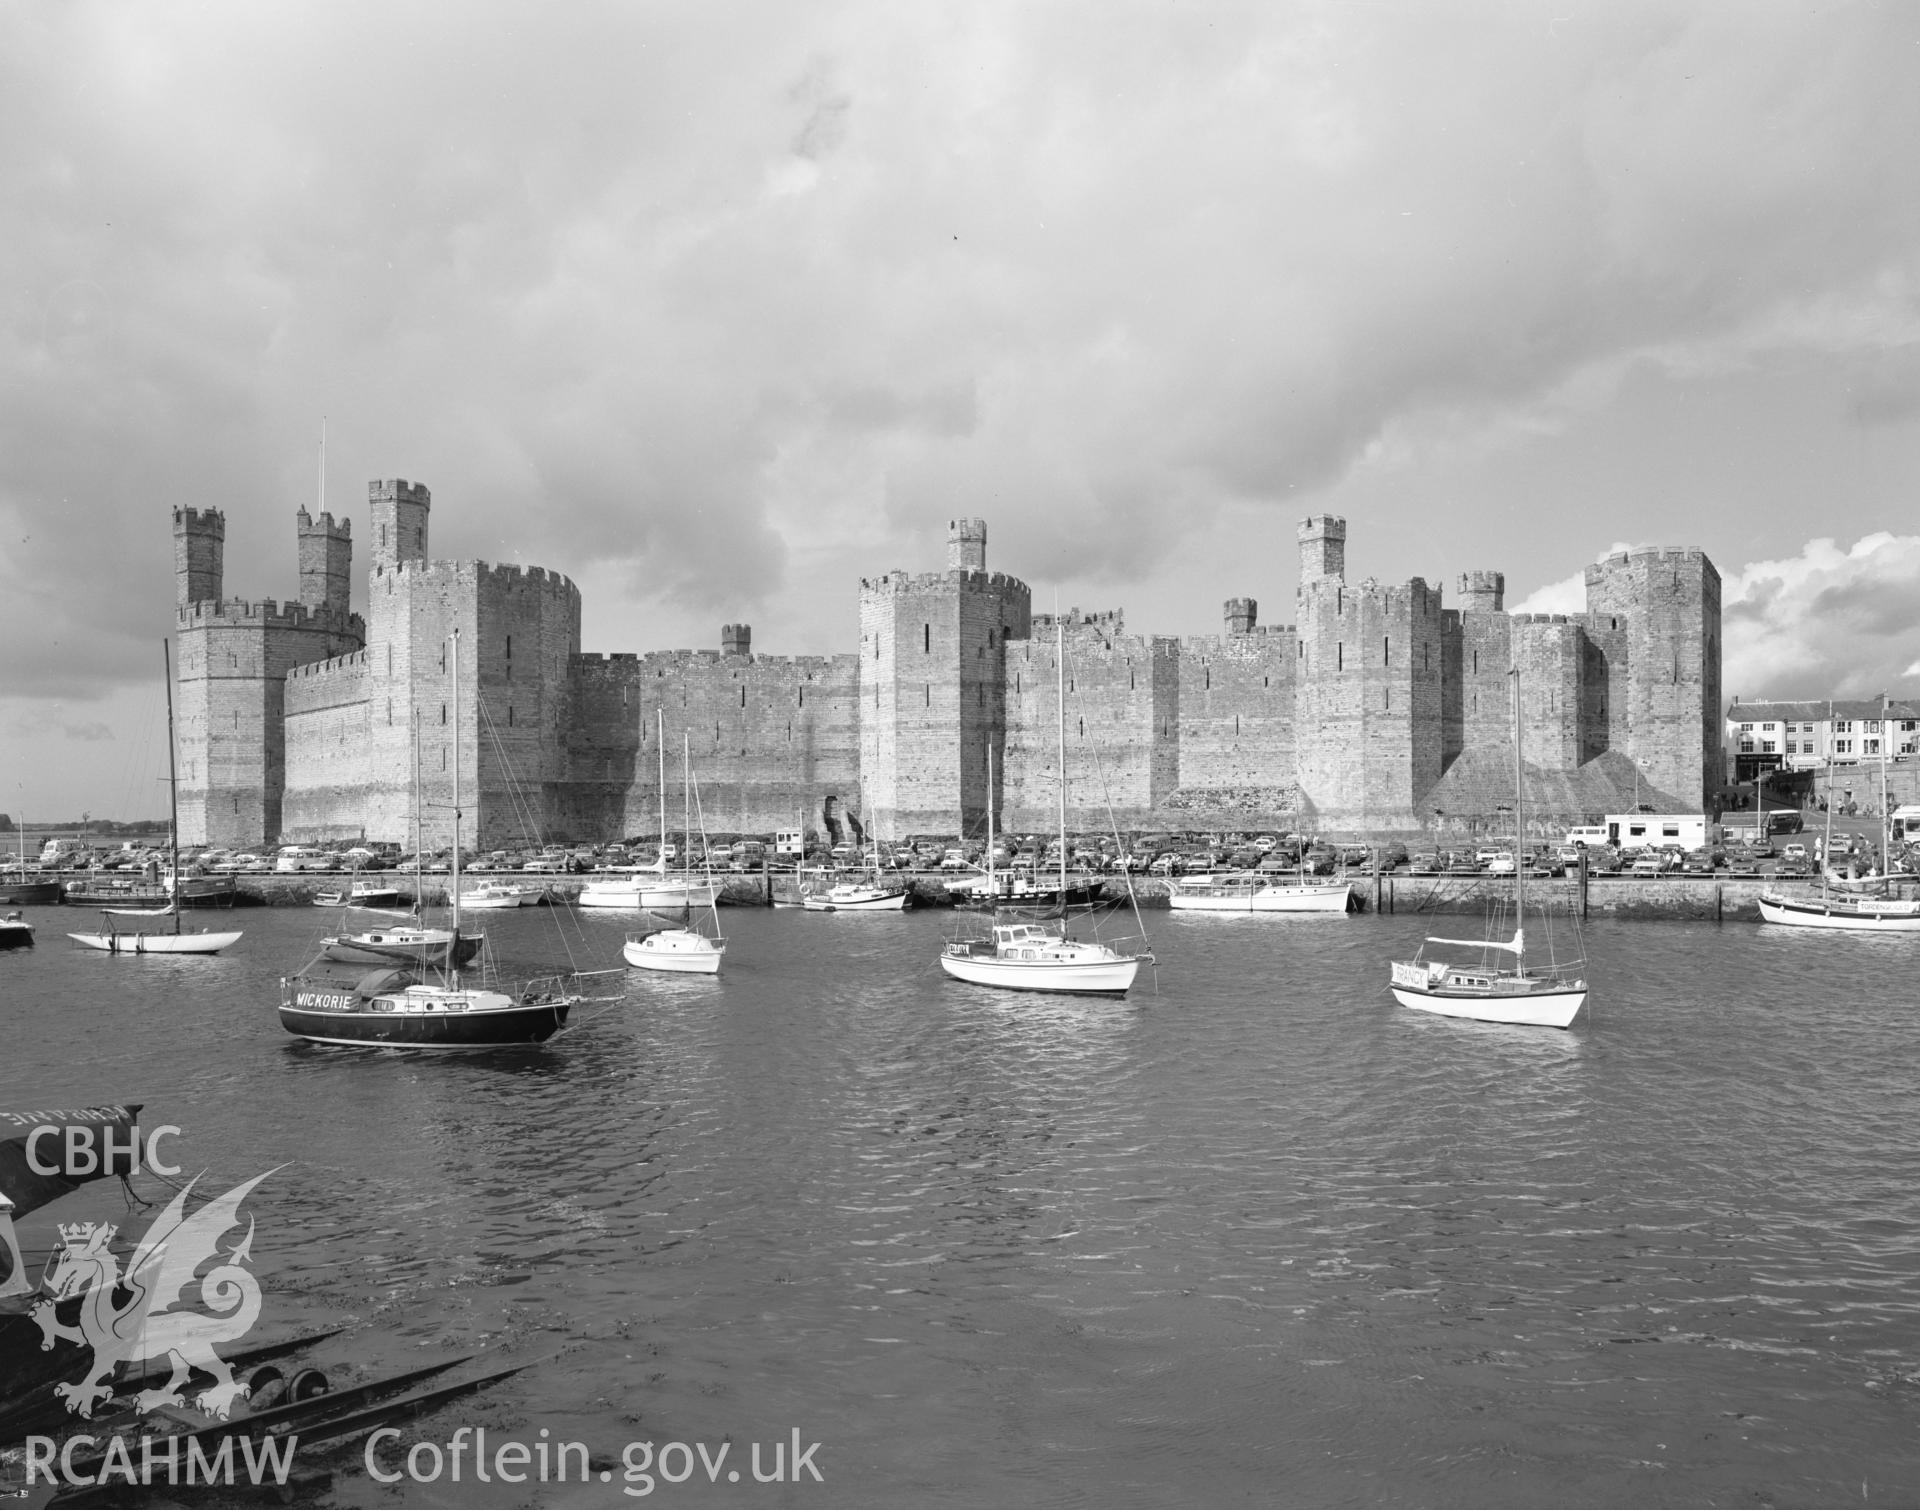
299, 857
1590, 836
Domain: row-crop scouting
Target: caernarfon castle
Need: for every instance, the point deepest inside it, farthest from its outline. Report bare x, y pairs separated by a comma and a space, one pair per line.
1378, 710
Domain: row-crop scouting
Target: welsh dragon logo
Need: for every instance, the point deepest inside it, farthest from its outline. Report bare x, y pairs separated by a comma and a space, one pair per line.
154, 1324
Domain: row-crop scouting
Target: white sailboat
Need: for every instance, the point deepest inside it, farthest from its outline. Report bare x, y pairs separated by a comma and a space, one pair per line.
864, 893
1857, 911
1031, 954
1495, 990
682, 950
114, 940
652, 888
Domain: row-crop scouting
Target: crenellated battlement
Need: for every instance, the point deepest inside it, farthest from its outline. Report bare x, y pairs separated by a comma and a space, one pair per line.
324, 525
980, 582
200, 521
1661, 555
399, 490
480, 573
1108, 621
354, 661
268, 613
1413, 597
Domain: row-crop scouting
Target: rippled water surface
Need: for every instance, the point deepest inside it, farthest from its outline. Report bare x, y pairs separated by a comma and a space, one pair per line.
1254, 1236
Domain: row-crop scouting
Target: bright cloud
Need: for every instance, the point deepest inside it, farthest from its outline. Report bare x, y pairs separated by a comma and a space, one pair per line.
1829, 622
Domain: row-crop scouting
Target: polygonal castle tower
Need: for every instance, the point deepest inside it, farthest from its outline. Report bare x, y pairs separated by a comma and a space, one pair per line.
1367, 699
230, 668
931, 688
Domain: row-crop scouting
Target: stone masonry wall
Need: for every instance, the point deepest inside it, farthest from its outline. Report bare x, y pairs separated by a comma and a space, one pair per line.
1122, 713
773, 740
328, 769
1233, 729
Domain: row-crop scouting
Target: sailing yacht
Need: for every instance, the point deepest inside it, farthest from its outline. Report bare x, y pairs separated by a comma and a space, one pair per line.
1036, 954
1495, 990
1856, 910
115, 940
684, 949
652, 887
428, 1006
863, 893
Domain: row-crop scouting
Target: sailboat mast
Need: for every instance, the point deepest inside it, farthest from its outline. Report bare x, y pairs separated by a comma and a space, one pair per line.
686, 817
453, 948
1886, 754
1519, 816
173, 792
660, 742
989, 825
1060, 669
1826, 845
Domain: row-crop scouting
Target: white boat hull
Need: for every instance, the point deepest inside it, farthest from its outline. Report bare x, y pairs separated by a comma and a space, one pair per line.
1110, 977
156, 943
636, 894
1855, 917
675, 950
1309, 898
1532, 1009
854, 899
504, 897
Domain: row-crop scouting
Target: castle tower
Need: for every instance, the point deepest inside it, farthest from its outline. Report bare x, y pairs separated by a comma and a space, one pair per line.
1667, 602
966, 545
199, 553
399, 510
1483, 591
932, 693
326, 562
1241, 615
736, 639
1323, 549
1368, 699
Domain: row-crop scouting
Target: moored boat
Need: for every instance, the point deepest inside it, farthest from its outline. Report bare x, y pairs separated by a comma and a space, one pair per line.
654, 889
681, 949
491, 893
113, 939
1032, 954
1857, 904
15, 932
854, 895
1495, 990
439, 948
1251, 891
1037, 956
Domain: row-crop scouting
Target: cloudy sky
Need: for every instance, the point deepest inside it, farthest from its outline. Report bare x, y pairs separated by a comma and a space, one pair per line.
716, 307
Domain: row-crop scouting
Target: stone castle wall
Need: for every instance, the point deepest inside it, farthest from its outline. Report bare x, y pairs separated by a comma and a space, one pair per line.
1121, 709
774, 740
1379, 709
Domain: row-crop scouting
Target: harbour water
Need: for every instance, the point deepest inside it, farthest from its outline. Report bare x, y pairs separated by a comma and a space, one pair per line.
1255, 1235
